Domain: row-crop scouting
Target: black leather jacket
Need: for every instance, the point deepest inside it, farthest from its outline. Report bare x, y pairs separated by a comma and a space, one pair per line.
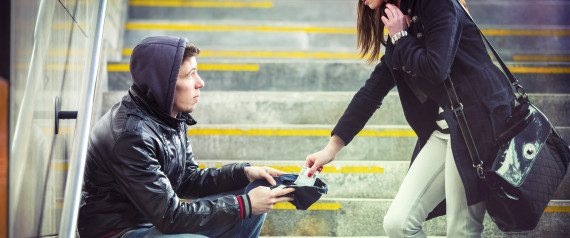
140, 163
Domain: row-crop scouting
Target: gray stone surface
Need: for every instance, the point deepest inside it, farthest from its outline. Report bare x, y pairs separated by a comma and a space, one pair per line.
301, 40
278, 108
304, 75
363, 217
264, 147
343, 184
342, 11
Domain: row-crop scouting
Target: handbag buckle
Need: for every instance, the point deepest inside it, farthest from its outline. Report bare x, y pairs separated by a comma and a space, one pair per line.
457, 109
480, 171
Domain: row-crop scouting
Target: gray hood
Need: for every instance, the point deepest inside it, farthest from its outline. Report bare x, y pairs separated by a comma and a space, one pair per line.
155, 63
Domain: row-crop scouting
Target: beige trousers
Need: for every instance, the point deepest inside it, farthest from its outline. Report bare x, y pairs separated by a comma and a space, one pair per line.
433, 177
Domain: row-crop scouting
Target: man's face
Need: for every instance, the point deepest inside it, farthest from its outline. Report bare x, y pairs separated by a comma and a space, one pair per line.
188, 87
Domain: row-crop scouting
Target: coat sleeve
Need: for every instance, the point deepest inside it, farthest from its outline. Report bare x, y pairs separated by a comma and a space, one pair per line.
442, 32
137, 171
364, 103
201, 182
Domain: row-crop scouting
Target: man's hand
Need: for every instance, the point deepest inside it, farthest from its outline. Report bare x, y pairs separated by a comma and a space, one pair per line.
254, 173
263, 199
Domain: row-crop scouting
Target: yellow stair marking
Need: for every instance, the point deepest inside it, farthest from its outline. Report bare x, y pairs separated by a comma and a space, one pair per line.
558, 209
295, 132
540, 70
541, 58
315, 206
326, 169
206, 67
218, 4
186, 27
321, 30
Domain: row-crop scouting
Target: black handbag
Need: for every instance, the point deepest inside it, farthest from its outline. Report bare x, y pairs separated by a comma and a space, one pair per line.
529, 165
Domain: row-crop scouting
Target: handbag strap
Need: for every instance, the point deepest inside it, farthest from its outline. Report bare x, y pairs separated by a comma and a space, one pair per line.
512, 79
457, 107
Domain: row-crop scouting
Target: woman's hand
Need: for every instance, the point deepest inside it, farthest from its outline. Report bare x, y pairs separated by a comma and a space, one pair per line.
254, 173
395, 21
317, 160
263, 199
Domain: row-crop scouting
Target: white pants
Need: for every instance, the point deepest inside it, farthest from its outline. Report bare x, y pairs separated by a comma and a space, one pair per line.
432, 177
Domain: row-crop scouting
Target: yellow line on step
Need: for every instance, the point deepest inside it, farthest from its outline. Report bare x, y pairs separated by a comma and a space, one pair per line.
217, 4
315, 206
186, 27
510, 32
540, 70
295, 132
320, 30
326, 169
541, 58
558, 209
205, 67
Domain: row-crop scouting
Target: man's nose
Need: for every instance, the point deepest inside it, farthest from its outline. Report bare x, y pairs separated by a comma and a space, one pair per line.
200, 83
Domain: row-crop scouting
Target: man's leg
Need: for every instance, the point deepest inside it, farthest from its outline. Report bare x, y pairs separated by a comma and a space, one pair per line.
153, 232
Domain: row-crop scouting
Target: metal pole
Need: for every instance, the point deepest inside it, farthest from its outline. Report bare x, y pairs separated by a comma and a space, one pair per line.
72, 195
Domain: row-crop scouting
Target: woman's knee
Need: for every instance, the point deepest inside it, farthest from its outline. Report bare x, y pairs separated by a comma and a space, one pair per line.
393, 224
397, 224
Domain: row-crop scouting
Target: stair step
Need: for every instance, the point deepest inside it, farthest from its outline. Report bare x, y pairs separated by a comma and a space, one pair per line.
324, 108
344, 179
356, 179
364, 217
261, 75
275, 36
342, 11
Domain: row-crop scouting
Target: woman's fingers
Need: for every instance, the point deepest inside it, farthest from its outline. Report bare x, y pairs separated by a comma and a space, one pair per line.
388, 12
385, 20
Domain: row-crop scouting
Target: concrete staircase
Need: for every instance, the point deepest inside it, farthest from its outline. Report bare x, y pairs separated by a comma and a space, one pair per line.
280, 73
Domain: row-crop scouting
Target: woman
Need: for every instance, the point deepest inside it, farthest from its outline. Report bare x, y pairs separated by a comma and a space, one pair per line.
428, 40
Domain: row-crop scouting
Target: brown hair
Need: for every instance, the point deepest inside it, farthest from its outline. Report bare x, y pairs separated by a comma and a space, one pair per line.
370, 30
190, 51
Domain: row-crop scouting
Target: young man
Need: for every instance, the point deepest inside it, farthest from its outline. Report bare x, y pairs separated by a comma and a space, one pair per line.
140, 162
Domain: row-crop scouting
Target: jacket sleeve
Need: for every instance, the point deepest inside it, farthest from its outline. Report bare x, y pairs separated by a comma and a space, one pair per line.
442, 32
137, 171
364, 103
201, 182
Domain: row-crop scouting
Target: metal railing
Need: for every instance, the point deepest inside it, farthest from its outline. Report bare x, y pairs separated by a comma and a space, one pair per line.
72, 195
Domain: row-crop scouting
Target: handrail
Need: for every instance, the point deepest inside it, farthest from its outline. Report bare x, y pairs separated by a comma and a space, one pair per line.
72, 195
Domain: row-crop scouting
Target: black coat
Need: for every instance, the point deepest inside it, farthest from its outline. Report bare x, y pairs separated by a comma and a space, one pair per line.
442, 42
140, 163
139, 166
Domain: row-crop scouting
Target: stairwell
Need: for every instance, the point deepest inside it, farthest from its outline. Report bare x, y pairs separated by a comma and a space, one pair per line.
279, 74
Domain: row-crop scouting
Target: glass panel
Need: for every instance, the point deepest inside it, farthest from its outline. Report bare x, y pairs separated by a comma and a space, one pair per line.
50, 61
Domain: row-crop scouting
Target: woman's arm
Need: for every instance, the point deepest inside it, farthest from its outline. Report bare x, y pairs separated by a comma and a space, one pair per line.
442, 32
361, 108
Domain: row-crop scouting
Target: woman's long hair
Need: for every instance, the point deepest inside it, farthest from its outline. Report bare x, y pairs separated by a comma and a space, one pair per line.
370, 30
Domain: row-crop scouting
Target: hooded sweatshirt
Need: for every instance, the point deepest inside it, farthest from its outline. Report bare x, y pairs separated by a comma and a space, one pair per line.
140, 163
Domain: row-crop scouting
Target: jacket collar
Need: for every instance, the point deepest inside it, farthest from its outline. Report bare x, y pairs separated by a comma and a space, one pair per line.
153, 110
